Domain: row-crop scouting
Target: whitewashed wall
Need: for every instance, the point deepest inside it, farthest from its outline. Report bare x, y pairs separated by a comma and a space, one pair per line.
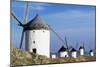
81, 51
91, 54
42, 41
74, 54
53, 56
63, 54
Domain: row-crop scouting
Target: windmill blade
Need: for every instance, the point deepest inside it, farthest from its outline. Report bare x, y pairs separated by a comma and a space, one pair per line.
70, 47
66, 42
56, 34
22, 37
83, 44
26, 13
16, 19
77, 44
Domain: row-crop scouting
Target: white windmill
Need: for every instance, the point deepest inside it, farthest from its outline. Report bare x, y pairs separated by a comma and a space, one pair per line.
37, 34
73, 53
62, 52
91, 53
81, 50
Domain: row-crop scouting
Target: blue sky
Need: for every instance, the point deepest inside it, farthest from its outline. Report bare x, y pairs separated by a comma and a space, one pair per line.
76, 22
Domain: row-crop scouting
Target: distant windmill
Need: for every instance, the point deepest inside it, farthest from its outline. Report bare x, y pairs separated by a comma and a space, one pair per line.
91, 53
82, 49
74, 52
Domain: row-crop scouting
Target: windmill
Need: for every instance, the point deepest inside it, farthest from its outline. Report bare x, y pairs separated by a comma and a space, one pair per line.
33, 29
73, 52
91, 53
64, 52
82, 49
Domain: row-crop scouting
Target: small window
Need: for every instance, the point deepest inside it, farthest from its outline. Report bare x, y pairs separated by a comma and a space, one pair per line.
34, 42
34, 50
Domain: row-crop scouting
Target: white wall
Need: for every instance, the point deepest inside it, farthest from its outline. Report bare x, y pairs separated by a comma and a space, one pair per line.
42, 41
81, 51
74, 54
53, 56
91, 54
63, 54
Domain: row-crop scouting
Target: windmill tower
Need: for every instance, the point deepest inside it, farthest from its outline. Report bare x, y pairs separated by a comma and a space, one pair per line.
81, 50
38, 37
91, 53
63, 52
37, 34
74, 53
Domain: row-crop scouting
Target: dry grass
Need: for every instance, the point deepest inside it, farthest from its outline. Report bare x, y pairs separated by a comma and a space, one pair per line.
19, 57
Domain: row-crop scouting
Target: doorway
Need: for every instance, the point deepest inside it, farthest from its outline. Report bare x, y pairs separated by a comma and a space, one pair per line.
34, 50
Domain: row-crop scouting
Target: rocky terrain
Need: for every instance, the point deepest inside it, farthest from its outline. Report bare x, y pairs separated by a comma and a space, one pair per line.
19, 57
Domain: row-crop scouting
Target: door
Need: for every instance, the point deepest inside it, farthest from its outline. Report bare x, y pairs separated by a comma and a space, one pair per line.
34, 50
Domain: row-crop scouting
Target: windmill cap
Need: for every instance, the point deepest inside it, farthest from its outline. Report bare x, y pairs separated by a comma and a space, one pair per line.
81, 47
91, 50
73, 49
36, 23
62, 49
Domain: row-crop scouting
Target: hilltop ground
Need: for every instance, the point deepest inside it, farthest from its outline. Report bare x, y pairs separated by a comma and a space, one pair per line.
19, 57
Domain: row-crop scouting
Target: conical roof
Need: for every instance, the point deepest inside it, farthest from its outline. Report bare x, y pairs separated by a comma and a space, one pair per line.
81, 47
36, 23
73, 49
91, 51
62, 49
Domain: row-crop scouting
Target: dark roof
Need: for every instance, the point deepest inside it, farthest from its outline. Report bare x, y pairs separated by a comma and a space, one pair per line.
81, 47
36, 23
73, 49
91, 50
62, 49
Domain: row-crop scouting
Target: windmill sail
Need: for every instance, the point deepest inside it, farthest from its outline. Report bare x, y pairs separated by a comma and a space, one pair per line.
26, 13
17, 19
66, 43
56, 34
20, 24
22, 37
